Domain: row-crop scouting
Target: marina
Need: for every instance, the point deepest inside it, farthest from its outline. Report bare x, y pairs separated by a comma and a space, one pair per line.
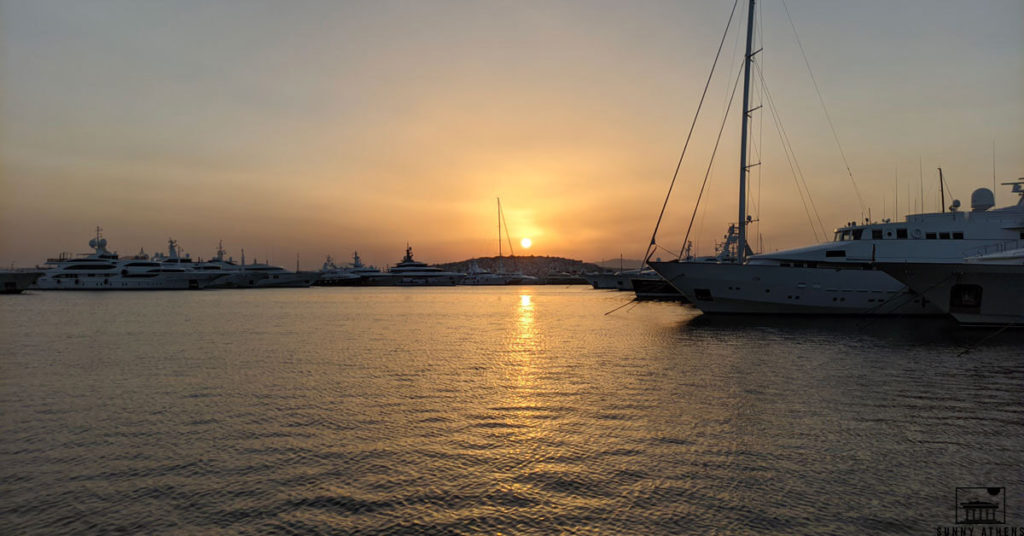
325, 340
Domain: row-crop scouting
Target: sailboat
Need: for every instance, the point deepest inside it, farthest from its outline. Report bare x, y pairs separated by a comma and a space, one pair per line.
479, 276
838, 277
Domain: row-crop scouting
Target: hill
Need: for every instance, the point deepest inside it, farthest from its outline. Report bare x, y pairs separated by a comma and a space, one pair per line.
537, 266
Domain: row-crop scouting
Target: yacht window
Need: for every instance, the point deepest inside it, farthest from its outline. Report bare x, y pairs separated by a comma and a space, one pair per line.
958, 236
943, 236
857, 233
965, 296
901, 233
876, 234
930, 236
835, 253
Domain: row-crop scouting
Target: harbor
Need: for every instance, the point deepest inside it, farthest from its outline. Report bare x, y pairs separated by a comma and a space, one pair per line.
461, 268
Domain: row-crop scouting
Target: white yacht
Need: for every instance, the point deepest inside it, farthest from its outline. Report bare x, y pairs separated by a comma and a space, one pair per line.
840, 277
234, 275
410, 273
983, 290
104, 270
479, 276
836, 277
355, 274
276, 276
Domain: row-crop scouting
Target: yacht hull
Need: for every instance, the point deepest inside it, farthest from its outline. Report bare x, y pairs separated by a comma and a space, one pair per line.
13, 282
287, 280
398, 280
974, 294
726, 288
163, 281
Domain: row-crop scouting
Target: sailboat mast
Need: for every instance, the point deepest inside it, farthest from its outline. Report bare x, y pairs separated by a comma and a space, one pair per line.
499, 229
741, 242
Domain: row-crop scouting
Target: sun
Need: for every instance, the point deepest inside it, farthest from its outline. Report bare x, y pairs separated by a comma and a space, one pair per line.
526, 243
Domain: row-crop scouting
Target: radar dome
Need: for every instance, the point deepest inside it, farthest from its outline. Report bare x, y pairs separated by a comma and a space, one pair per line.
982, 199
92, 243
103, 242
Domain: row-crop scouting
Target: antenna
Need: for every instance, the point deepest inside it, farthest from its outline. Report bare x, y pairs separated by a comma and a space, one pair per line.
896, 187
993, 166
942, 193
920, 172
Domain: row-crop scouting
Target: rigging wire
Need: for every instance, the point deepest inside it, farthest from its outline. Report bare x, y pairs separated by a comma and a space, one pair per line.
798, 175
686, 144
711, 164
821, 100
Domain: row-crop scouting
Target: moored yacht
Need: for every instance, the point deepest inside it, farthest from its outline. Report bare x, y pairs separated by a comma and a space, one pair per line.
481, 277
276, 276
982, 290
354, 274
104, 270
840, 277
410, 272
836, 277
621, 280
234, 274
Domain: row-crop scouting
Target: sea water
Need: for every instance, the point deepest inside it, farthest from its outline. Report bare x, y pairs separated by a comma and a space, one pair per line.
511, 410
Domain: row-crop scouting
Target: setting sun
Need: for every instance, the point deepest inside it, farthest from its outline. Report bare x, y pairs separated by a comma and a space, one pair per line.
526, 243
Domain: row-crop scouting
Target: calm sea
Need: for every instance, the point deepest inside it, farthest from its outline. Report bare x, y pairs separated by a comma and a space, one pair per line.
519, 410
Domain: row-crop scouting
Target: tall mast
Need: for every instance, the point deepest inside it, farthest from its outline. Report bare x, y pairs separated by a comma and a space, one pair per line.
499, 228
741, 242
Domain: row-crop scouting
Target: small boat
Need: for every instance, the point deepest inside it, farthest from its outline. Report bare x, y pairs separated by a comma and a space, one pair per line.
657, 289
622, 280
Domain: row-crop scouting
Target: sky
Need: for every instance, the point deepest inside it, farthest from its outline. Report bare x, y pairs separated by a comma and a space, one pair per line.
311, 128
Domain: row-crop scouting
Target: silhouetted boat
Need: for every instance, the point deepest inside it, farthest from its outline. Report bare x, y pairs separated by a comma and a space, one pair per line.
412, 273
104, 270
354, 274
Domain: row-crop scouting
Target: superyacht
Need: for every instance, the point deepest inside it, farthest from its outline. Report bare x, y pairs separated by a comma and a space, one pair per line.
331, 275
104, 270
410, 272
840, 277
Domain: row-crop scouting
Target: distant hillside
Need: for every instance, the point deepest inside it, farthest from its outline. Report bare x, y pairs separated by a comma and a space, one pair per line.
529, 265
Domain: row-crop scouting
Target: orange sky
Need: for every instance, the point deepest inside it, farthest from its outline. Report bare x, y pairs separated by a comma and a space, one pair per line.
318, 128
